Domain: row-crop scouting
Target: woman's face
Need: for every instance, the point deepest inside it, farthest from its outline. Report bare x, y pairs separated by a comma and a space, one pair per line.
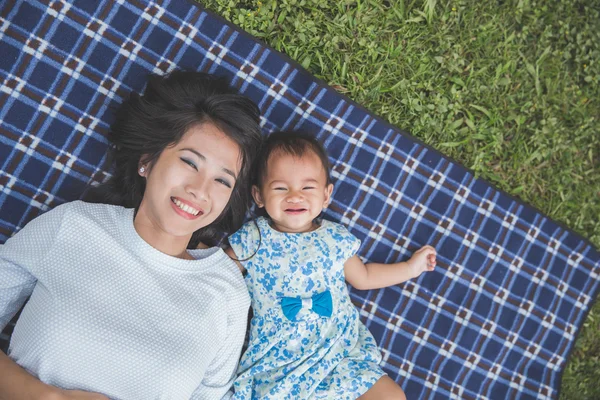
190, 183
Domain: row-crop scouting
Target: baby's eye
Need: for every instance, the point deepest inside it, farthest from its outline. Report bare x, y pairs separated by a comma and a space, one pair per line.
224, 182
279, 188
308, 187
190, 163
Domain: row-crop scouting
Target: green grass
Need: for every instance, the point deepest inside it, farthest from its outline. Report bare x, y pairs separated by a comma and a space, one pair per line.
507, 88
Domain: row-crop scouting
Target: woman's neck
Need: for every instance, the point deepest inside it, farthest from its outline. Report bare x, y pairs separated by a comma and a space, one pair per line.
164, 242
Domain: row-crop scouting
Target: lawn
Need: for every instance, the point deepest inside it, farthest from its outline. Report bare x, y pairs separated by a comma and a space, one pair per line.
507, 88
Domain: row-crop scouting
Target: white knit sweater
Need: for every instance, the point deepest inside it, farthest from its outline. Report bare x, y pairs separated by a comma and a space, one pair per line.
109, 313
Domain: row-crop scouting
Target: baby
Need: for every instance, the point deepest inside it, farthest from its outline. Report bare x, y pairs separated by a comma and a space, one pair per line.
306, 339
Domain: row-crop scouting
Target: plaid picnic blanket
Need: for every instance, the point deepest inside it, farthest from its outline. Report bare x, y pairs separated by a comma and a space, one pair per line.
499, 316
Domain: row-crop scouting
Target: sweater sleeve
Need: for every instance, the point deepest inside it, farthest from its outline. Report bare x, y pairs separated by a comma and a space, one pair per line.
19, 258
219, 377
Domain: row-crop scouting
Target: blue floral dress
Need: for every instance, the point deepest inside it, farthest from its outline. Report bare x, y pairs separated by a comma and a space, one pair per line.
312, 356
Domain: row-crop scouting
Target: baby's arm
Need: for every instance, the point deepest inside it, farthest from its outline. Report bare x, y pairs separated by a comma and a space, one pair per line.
376, 275
229, 251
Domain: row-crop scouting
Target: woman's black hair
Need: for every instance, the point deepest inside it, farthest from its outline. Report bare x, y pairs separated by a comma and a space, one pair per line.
147, 124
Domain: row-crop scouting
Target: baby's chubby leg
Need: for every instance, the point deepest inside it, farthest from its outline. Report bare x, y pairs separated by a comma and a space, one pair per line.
384, 389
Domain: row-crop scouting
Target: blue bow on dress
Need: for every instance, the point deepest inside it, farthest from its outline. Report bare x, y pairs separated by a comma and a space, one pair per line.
321, 304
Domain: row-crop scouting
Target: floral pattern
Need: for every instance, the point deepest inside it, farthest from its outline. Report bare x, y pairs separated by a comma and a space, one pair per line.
312, 357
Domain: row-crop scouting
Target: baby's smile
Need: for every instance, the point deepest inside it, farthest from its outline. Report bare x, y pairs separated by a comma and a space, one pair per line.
295, 211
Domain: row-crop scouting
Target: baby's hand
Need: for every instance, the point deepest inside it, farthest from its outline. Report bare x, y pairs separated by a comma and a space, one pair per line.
422, 260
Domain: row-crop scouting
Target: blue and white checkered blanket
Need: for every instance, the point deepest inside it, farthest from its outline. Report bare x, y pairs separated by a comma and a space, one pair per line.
499, 316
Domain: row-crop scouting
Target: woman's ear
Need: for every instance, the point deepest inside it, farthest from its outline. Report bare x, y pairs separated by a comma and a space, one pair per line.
143, 166
257, 197
328, 192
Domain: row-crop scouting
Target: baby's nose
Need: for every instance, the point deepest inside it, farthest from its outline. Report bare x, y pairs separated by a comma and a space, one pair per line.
295, 197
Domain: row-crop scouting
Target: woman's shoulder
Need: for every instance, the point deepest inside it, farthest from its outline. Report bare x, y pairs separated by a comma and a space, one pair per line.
236, 291
80, 214
69, 222
95, 209
77, 210
83, 208
221, 266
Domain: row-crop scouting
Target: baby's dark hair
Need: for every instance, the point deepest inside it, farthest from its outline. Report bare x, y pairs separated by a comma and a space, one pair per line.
147, 124
288, 142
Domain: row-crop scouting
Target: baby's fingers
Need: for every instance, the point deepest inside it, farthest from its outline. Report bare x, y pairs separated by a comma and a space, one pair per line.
431, 261
426, 249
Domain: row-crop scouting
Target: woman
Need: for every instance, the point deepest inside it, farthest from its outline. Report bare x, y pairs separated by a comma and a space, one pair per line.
119, 306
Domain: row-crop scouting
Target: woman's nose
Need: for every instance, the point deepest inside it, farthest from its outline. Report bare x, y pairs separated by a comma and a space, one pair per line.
198, 188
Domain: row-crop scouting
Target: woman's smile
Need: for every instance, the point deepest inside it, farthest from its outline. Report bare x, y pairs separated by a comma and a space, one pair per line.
185, 209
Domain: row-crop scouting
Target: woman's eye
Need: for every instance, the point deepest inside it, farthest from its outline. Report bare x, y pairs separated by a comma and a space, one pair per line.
190, 163
224, 182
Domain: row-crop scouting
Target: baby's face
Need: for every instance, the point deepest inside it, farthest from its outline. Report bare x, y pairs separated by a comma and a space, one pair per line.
294, 191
